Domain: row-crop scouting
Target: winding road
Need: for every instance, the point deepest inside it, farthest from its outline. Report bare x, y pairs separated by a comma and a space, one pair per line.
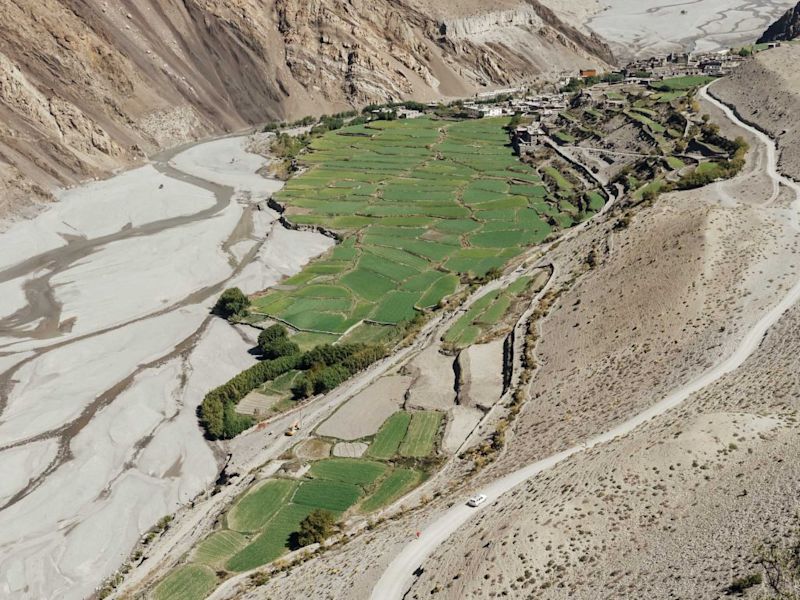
399, 577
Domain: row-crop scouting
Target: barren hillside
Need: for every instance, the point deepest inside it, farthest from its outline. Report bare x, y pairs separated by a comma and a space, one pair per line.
765, 92
86, 86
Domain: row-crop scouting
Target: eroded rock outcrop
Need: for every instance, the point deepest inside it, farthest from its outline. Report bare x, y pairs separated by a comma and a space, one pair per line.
784, 29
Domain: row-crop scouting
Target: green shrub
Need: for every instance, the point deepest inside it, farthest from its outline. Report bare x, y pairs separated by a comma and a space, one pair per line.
231, 303
280, 347
330, 377
315, 528
271, 334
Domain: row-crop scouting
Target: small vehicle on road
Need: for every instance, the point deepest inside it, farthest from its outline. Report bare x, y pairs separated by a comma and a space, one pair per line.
476, 501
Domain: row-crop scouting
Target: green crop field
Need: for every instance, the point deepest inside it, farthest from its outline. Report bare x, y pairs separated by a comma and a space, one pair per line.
420, 438
413, 200
391, 488
335, 496
396, 307
682, 83
191, 582
644, 120
675, 163
484, 313
349, 470
216, 549
273, 541
259, 505
388, 438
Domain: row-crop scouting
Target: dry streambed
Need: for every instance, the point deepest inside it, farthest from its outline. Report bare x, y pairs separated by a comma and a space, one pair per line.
106, 348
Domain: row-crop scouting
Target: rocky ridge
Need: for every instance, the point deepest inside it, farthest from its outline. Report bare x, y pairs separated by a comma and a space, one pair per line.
784, 29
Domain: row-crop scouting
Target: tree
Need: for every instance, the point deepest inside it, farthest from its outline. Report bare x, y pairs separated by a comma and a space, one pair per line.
212, 416
231, 303
274, 343
280, 347
315, 528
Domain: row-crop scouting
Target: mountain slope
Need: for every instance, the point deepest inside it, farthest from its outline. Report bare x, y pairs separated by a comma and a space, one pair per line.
87, 87
785, 28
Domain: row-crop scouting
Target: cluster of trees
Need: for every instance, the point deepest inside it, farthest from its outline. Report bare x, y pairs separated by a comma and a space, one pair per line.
231, 303
274, 343
578, 83
307, 120
218, 414
326, 367
724, 169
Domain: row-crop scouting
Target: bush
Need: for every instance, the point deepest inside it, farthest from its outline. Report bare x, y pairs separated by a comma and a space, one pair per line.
315, 528
741, 584
231, 303
271, 334
278, 348
330, 377
328, 366
303, 387
274, 343
364, 358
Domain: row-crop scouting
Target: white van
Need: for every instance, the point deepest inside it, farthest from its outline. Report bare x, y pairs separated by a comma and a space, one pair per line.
476, 500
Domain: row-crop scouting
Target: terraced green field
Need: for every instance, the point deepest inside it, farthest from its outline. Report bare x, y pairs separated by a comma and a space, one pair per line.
335, 496
420, 203
420, 438
216, 549
348, 470
259, 505
682, 83
273, 541
392, 487
389, 436
190, 582
485, 313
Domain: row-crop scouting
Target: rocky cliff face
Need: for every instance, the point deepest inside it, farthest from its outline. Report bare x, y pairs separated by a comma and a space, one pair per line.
785, 28
87, 86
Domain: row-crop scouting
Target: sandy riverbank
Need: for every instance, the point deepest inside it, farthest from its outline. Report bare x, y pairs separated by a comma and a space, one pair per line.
636, 28
106, 349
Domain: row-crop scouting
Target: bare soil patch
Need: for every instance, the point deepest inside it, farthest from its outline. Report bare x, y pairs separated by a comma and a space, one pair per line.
363, 414
481, 368
350, 449
312, 449
433, 381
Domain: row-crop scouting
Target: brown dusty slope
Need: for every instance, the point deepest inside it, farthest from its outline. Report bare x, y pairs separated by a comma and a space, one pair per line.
765, 92
87, 86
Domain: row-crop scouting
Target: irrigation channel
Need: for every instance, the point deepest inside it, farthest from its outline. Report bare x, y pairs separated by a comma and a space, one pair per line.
398, 578
107, 347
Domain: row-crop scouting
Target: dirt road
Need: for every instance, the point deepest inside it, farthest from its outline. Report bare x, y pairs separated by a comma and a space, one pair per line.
399, 576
